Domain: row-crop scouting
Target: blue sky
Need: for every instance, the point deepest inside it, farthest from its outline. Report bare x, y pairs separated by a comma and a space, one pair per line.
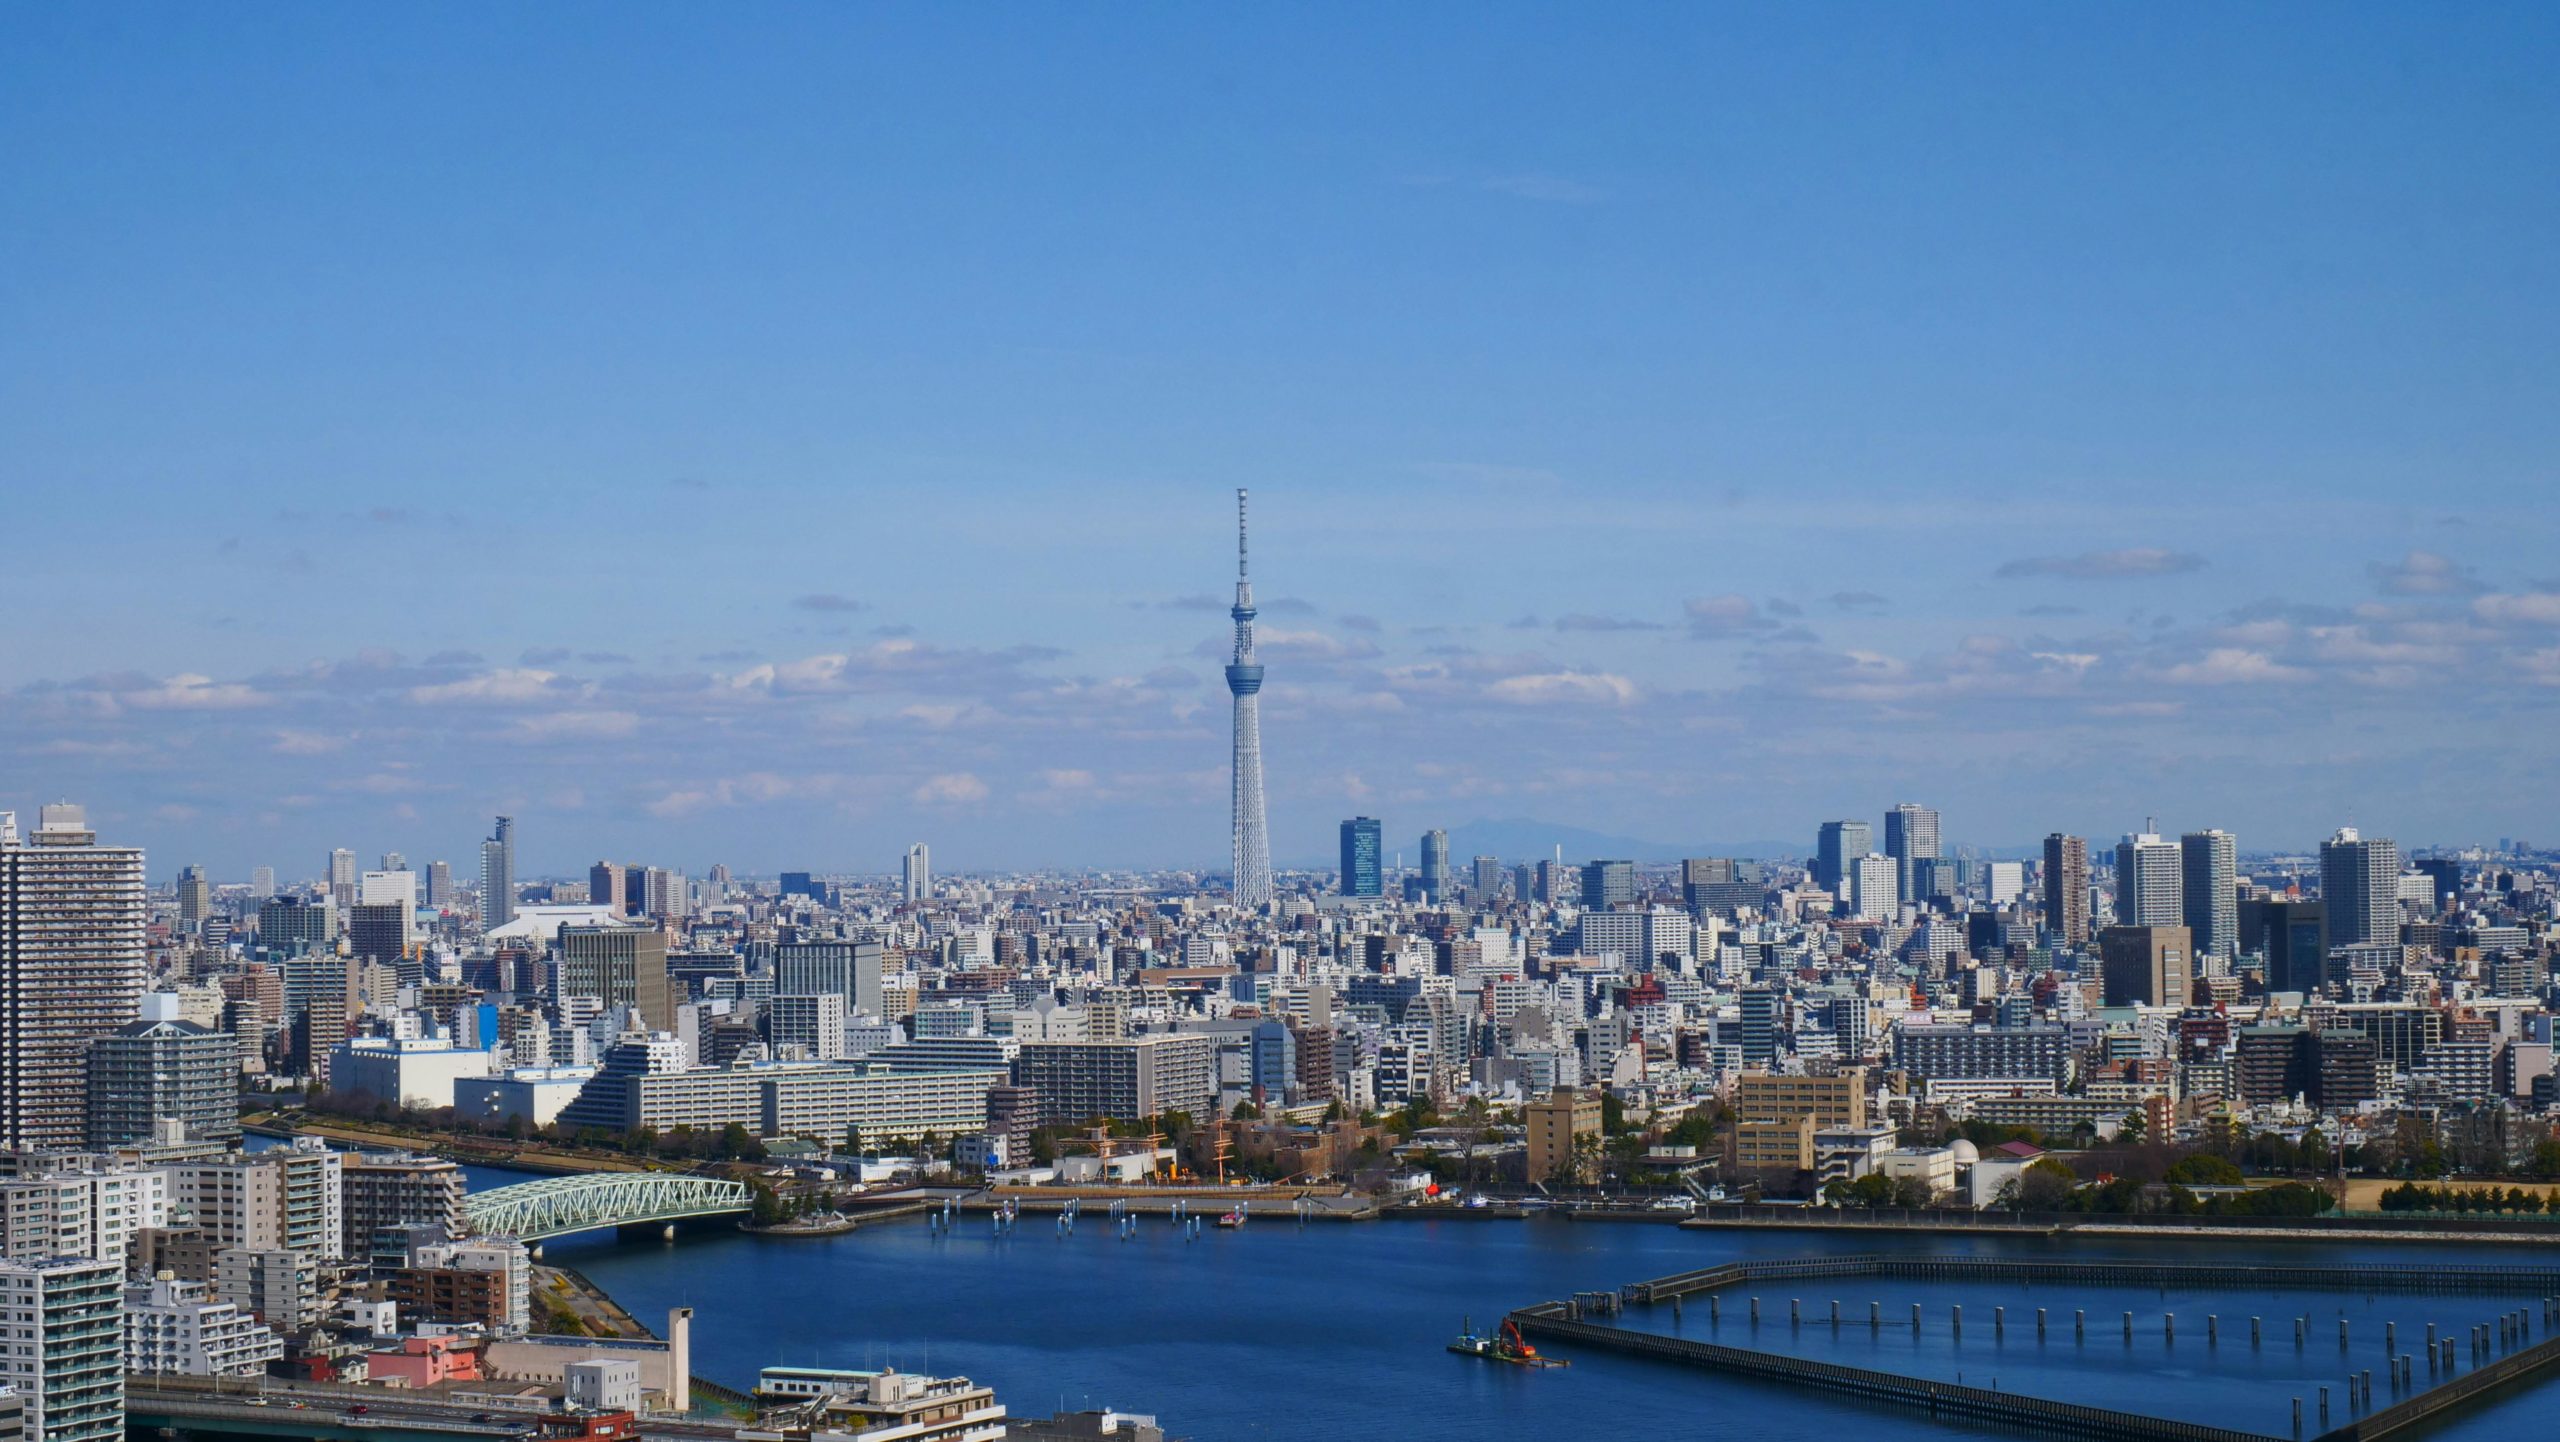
770, 436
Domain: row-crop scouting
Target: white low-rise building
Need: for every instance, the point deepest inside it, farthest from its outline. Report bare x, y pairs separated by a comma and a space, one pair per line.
406, 1071
174, 1327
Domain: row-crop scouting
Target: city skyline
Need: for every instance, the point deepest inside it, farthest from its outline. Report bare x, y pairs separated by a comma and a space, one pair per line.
1981, 463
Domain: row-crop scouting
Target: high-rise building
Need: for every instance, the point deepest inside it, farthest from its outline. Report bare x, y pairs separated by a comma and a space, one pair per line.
155, 1070
72, 966
849, 969
342, 878
66, 1356
2146, 965
262, 883
916, 874
813, 1024
2211, 886
604, 886
393, 1192
1606, 884
2360, 886
286, 925
2444, 879
1840, 843
1875, 888
1762, 1012
1364, 871
2293, 936
1488, 878
1435, 864
379, 931
1910, 837
2148, 882
195, 899
498, 875
439, 886
1250, 848
2066, 887
619, 966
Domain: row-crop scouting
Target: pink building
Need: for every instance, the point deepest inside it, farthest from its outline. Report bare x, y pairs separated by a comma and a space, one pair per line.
425, 1361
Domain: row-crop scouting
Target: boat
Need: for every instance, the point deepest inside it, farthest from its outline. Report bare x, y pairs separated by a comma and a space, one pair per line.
1506, 1345
1231, 1220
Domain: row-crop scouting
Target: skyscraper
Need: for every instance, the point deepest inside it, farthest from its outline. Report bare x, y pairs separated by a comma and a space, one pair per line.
439, 884
1435, 864
2212, 892
1488, 878
619, 966
195, 899
342, 878
2066, 887
2148, 889
1607, 884
1910, 837
262, 883
916, 873
498, 875
604, 885
2360, 886
1875, 888
1251, 845
72, 966
1841, 843
2146, 965
1363, 842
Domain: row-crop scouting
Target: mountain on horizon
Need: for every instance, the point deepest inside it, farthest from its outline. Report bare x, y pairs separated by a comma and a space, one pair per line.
1524, 839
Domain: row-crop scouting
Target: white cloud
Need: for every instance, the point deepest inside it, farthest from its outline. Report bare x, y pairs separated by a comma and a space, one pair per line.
2426, 573
508, 685
953, 788
1564, 688
2129, 562
2233, 666
577, 726
190, 692
308, 743
2532, 608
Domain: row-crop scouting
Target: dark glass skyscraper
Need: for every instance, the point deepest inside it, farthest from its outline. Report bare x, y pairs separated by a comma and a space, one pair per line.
1842, 842
1363, 874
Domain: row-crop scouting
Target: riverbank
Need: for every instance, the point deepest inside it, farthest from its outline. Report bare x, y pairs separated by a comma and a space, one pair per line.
565, 1292
1988, 1224
491, 1152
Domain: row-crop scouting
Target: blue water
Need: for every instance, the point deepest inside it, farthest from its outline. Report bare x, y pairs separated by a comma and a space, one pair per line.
1338, 1329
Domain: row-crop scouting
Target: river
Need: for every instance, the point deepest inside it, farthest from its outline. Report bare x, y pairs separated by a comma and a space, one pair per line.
1337, 1330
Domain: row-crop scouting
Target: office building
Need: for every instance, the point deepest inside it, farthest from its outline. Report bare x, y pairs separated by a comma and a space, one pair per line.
1910, 837
287, 925
849, 969
1840, 843
439, 884
1364, 871
498, 875
1608, 884
2066, 888
1762, 1025
262, 882
1435, 865
619, 966
2147, 965
2210, 862
2149, 875
65, 1358
915, 874
2360, 886
604, 887
195, 899
148, 1072
1835, 1101
1488, 878
379, 932
72, 964
342, 878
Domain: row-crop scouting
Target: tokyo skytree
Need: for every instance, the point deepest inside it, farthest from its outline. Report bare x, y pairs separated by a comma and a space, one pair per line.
1252, 845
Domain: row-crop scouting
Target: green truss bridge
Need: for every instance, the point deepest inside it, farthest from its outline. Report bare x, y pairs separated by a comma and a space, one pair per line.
557, 1206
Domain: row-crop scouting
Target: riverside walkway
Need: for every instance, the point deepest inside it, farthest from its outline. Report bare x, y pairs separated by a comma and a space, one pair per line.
2500, 1353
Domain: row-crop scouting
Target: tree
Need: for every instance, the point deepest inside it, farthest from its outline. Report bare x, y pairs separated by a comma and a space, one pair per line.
852, 1139
2203, 1170
739, 1144
1613, 1114
1335, 1111
1245, 1112
2132, 1127
764, 1208
2046, 1186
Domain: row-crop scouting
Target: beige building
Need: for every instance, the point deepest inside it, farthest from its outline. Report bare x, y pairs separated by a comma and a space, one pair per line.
1772, 1145
1556, 1123
1832, 1101
619, 966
